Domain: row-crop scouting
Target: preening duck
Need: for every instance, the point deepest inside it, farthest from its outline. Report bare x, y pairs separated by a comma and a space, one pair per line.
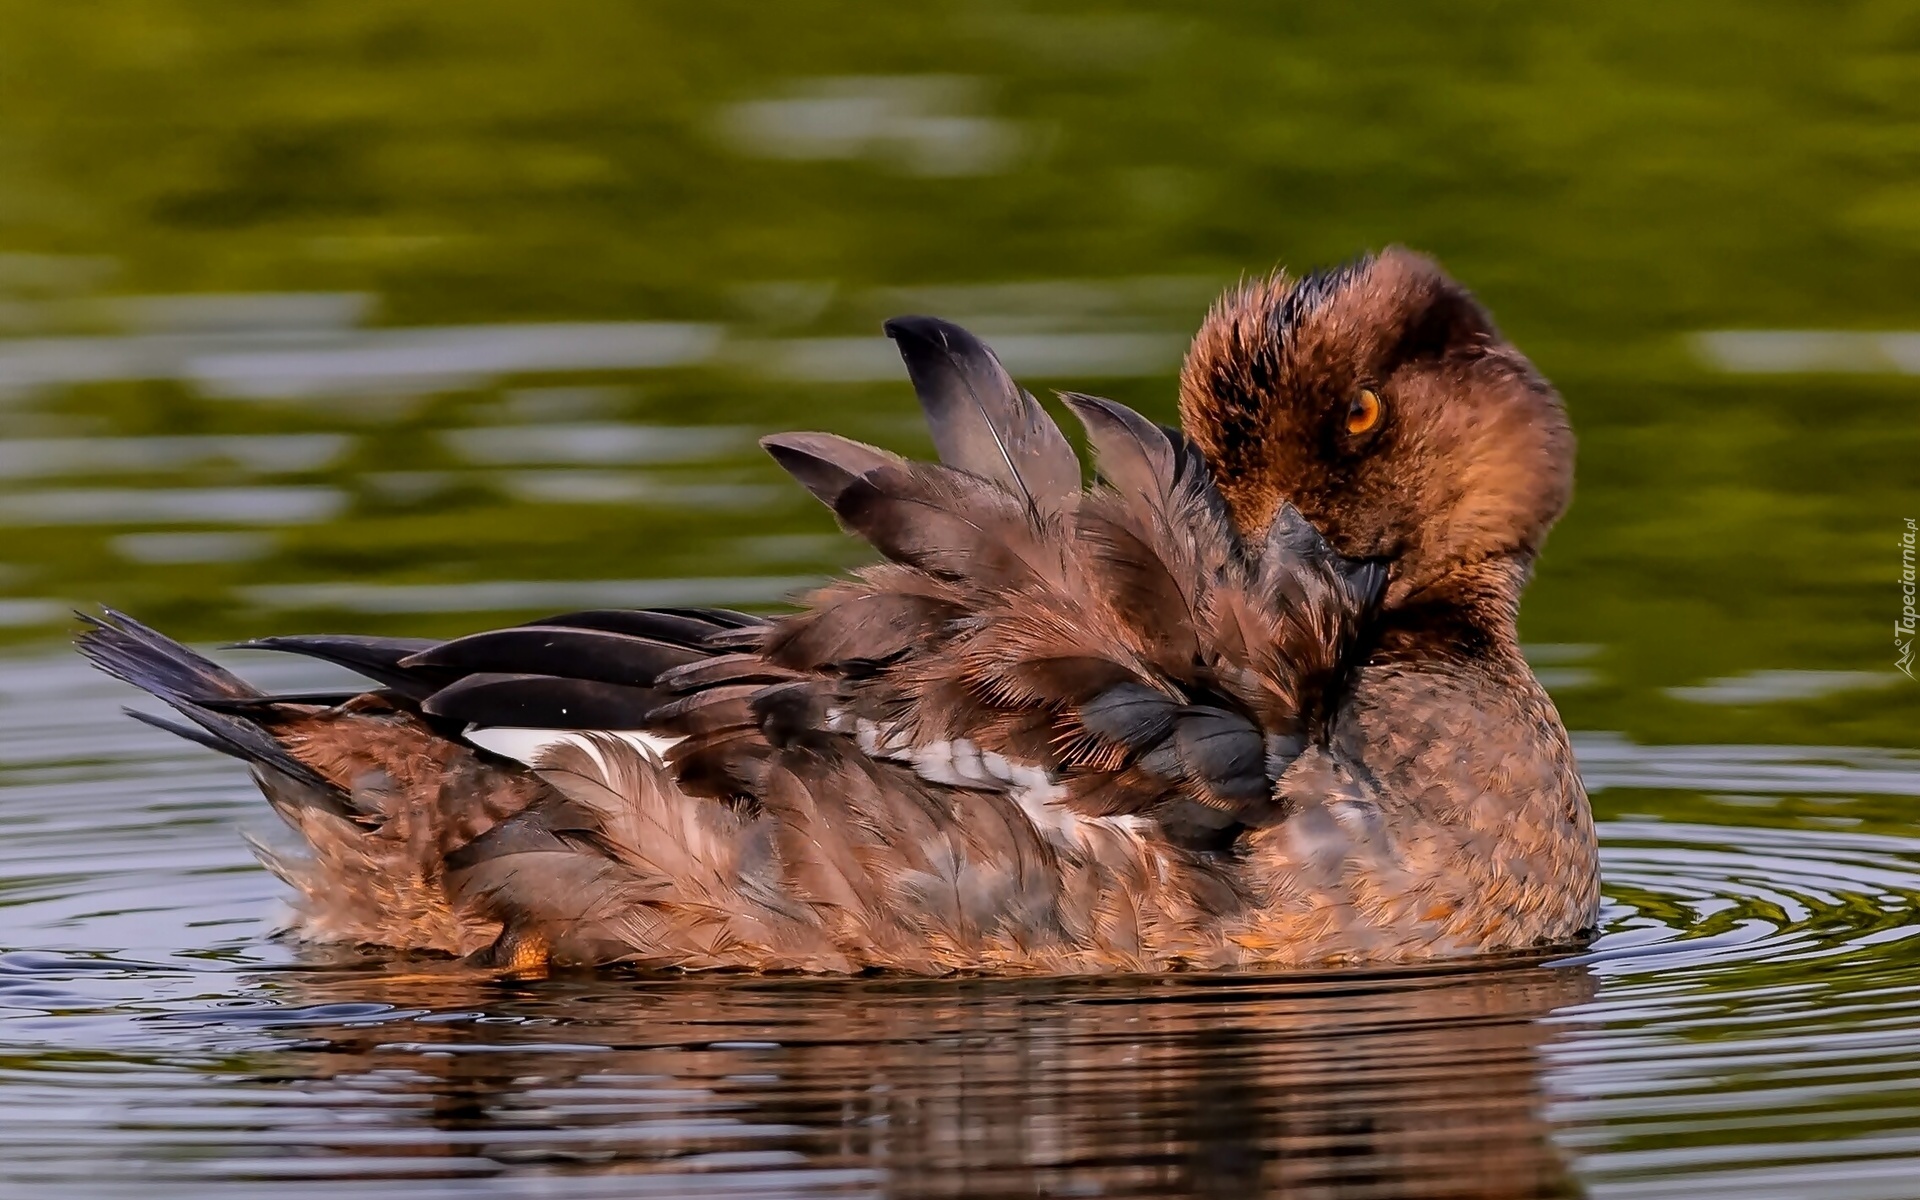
1253, 698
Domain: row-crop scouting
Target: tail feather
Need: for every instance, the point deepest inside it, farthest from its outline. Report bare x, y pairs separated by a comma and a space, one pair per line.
188, 682
181, 729
153, 662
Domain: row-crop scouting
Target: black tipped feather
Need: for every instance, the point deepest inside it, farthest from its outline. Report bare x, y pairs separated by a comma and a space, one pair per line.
1134, 455
1152, 465
824, 463
980, 420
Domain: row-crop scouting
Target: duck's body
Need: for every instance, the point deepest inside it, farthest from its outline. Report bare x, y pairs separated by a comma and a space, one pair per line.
1157, 724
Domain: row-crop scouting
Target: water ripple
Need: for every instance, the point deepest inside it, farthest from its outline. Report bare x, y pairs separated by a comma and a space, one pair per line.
1743, 1025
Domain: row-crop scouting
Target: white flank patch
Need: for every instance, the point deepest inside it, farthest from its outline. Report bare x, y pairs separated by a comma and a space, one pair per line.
957, 763
525, 745
960, 763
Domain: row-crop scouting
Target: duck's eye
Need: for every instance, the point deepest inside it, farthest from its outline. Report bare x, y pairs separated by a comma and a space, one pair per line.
1363, 411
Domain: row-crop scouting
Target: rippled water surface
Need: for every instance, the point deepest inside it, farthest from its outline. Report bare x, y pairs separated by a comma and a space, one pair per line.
410, 318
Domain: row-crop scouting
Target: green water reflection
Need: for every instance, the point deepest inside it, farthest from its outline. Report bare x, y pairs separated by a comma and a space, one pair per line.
760, 183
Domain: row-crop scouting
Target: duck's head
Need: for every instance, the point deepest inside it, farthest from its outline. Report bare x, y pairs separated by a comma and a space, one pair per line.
1379, 399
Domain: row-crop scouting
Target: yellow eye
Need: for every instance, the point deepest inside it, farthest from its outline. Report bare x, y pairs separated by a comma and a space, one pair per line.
1363, 413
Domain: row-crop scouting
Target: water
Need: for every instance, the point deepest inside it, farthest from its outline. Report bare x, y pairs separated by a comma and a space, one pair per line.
415, 318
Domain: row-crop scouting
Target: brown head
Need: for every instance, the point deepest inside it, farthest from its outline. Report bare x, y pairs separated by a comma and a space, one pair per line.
1381, 401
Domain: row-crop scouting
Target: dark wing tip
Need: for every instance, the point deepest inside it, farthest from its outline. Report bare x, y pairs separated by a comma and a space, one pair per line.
1097, 412
1080, 403
824, 463
931, 347
930, 330
981, 421
148, 659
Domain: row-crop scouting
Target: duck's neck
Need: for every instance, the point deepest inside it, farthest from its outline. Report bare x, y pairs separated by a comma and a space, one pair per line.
1466, 616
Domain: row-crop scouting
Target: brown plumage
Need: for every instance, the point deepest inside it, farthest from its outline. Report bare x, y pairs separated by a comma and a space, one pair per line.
1253, 698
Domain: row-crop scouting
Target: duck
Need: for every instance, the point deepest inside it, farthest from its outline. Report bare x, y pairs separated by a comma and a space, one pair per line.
1252, 698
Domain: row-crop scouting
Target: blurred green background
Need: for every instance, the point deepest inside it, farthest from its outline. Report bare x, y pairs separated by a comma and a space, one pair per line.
411, 316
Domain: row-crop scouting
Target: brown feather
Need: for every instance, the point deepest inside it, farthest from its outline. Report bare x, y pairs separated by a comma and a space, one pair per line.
824, 463
870, 620
981, 421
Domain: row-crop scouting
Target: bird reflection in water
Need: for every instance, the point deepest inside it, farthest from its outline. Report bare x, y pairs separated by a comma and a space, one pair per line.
1389, 1085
